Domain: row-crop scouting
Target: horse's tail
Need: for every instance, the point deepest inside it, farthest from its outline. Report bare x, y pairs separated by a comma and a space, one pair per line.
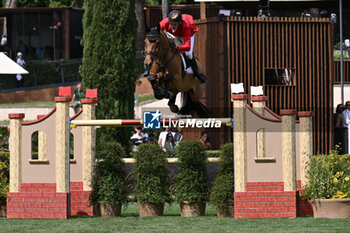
195, 109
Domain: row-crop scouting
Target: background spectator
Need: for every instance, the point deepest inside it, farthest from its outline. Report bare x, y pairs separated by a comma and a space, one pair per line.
205, 140
162, 136
338, 117
178, 137
78, 94
151, 139
20, 62
169, 144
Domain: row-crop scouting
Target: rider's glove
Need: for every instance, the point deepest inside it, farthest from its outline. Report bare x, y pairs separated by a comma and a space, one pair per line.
173, 44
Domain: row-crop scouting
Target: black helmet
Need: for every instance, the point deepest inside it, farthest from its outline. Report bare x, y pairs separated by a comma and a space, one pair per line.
175, 17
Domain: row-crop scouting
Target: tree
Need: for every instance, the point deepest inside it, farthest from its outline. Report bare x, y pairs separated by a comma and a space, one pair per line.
109, 61
165, 8
11, 3
140, 16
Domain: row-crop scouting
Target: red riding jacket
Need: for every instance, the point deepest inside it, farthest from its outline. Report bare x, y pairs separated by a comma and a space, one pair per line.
186, 30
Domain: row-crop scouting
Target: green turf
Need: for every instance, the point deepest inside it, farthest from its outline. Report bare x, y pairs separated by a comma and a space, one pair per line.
28, 104
144, 98
172, 222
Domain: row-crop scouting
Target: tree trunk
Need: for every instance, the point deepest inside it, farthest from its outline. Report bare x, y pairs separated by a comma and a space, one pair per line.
141, 27
8, 4
165, 8
11, 3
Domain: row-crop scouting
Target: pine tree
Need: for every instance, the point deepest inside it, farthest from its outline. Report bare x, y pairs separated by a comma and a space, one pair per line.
109, 62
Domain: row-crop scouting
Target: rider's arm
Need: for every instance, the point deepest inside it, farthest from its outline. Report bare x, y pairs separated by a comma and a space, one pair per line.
186, 46
164, 24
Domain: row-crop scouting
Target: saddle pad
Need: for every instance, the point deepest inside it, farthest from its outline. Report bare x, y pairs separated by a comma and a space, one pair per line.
189, 69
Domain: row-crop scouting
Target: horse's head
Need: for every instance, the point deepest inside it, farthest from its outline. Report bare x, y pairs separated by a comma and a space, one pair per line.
155, 43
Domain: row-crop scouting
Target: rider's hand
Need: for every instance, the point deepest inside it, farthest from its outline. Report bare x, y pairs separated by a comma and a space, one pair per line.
173, 44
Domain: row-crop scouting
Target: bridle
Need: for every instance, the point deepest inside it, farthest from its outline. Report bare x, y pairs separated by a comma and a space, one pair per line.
158, 55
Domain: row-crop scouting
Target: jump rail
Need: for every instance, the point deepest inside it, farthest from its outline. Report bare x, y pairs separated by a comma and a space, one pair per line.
135, 122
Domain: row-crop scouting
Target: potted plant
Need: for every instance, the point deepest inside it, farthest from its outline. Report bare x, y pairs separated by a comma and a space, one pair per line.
329, 185
152, 180
109, 190
191, 184
223, 189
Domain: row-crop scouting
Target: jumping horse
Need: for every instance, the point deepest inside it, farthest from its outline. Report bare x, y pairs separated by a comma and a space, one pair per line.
168, 77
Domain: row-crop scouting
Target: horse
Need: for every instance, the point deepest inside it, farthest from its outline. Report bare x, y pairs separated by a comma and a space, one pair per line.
167, 76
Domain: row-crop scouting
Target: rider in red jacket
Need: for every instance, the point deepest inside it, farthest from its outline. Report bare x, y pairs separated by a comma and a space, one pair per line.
182, 26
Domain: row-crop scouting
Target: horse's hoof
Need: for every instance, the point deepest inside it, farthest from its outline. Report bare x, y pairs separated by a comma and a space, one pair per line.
174, 108
158, 95
166, 95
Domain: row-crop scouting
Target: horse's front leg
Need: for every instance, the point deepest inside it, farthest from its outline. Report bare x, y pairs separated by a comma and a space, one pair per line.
166, 80
154, 79
171, 103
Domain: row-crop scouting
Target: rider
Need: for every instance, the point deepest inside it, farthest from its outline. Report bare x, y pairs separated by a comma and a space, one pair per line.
182, 26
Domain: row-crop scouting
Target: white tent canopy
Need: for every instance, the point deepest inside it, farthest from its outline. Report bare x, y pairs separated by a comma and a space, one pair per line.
8, 66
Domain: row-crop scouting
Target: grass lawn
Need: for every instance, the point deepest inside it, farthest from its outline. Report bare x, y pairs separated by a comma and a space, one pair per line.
172, 222
143, 98
28, 104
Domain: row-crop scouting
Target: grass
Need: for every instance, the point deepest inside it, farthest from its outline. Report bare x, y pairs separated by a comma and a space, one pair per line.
172, 222
47, 103
143, 98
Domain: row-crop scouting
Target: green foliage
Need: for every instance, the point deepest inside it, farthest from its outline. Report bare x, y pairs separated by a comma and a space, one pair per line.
4, 173
109, 62
171, 2
33, 3
328, 176
213, 153
152, 177
109, 184
192, 179
62, 3
224, 183
50, 3
4, 137
4, 182
5, 156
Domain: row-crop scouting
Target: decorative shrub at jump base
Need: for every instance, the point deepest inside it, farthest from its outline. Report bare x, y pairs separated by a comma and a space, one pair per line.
109, 186
223, 189
152, 177
192, 178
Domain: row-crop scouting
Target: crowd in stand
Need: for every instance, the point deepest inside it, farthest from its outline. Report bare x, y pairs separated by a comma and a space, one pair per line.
341, 125
167, 139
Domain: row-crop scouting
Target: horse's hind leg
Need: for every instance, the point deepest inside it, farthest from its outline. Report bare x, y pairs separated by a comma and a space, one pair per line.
174, 108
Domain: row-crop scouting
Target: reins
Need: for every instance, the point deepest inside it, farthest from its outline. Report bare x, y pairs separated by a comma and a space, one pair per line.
158, 57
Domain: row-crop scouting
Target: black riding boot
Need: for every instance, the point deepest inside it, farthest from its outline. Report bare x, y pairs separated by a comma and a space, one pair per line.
200, 76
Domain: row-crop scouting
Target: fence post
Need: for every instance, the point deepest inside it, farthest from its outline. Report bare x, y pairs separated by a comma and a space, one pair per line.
88, 150
306, 142
240, 141
15, 151
62, 114
289, 150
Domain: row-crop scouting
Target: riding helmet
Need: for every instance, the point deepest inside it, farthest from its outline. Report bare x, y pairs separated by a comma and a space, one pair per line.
175, 17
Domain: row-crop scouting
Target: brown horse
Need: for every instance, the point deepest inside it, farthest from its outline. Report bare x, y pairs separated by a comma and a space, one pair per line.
166, 72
